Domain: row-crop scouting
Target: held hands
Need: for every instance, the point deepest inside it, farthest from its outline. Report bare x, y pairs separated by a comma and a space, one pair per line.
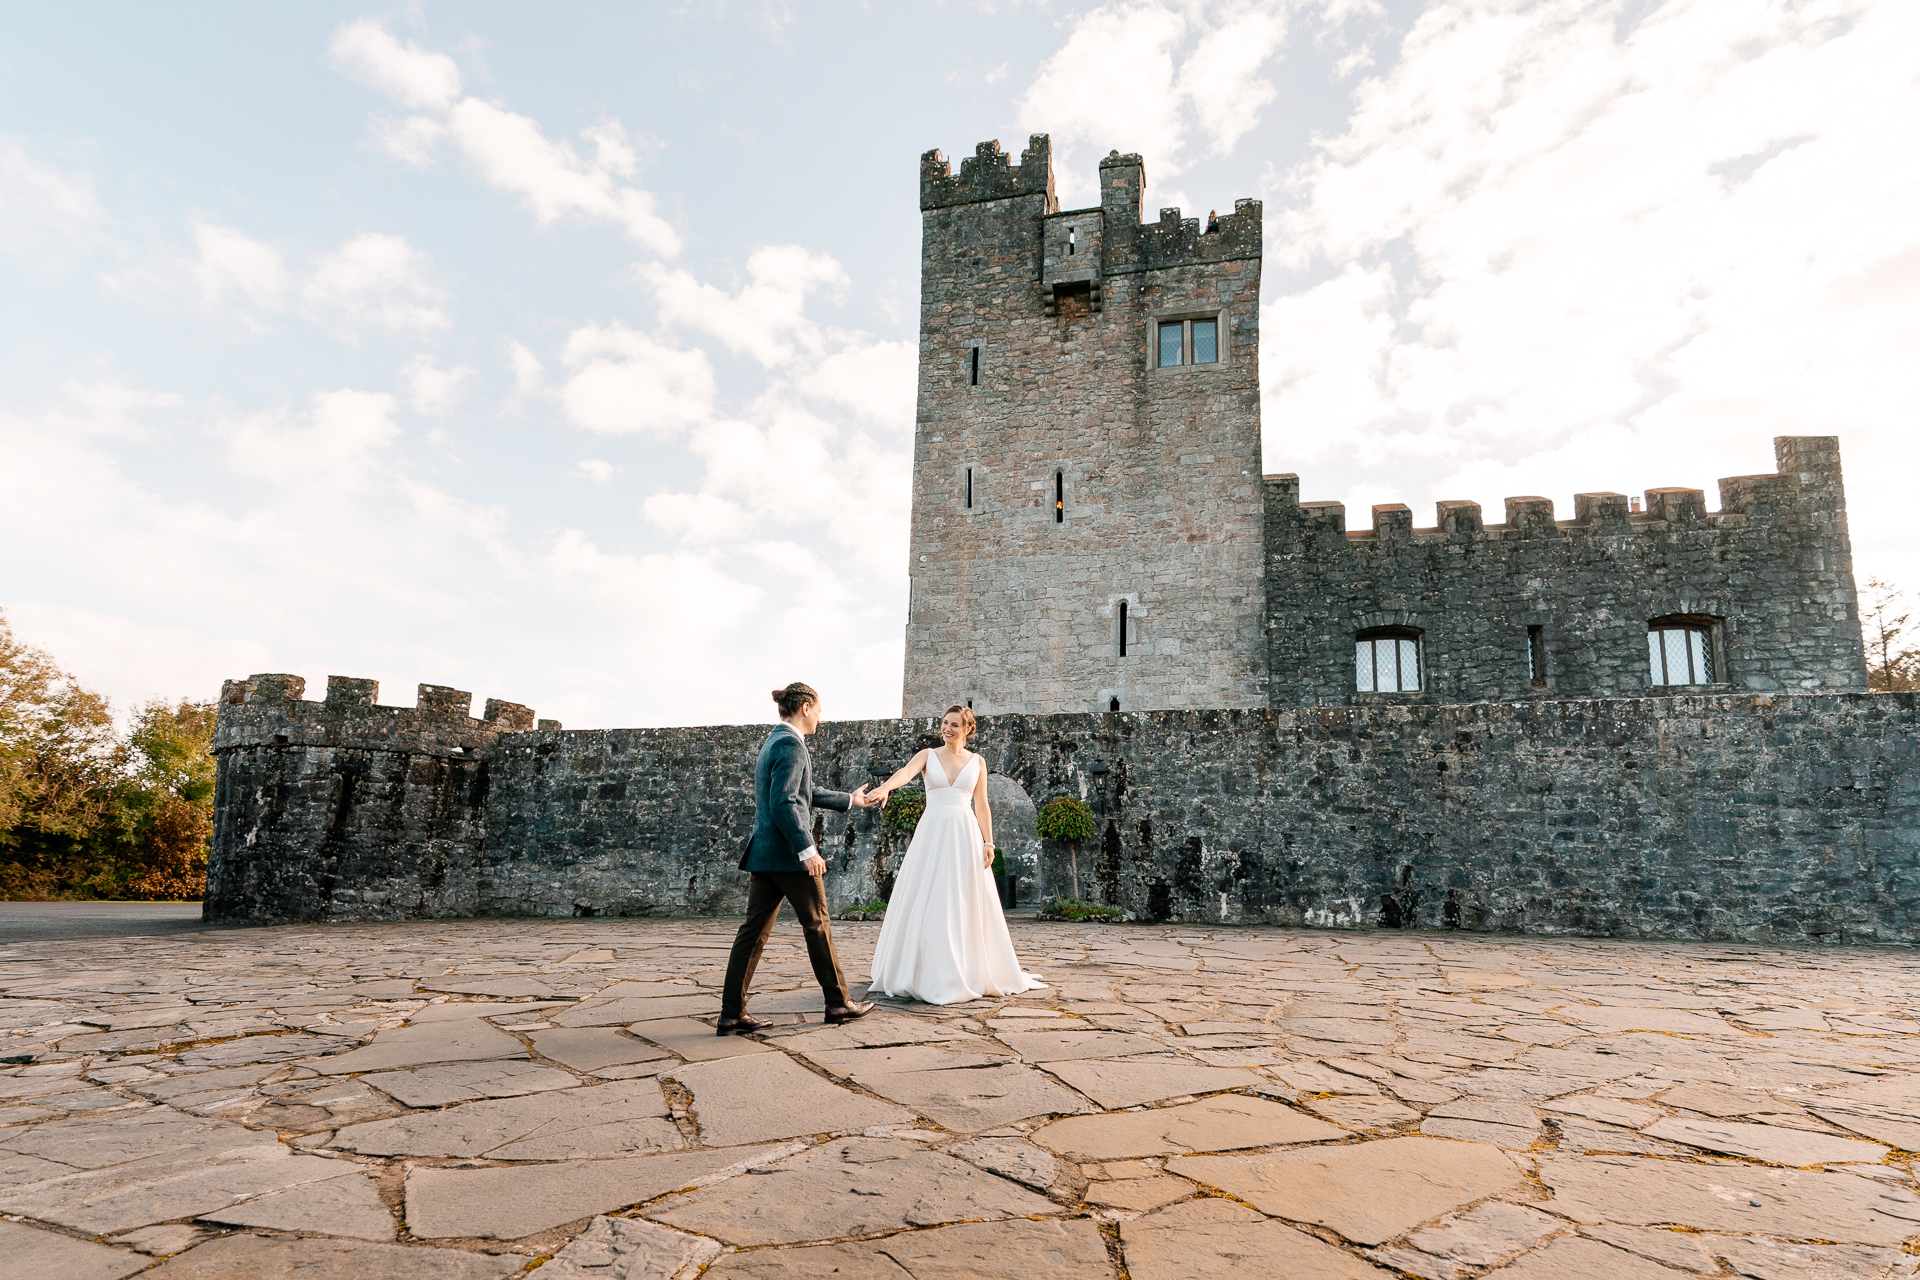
861, 800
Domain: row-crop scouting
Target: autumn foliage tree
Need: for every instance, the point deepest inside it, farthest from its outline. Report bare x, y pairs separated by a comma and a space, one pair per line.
85, 812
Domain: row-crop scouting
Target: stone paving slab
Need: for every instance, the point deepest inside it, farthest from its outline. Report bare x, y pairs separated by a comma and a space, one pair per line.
763, 1097
1703, 1110
1369, 1192
1222, 1123
1219, 1240
506, 1204
44, 1255
1053, 1250
251, 1257
970, 1099
852, 1186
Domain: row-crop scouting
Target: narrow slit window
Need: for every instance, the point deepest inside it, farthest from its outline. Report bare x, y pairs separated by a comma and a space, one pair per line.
1206, 345
969, 488
1170, 344
1059, 497
1387, 662
1122, 611
1537, 656
973, 366
1072, 245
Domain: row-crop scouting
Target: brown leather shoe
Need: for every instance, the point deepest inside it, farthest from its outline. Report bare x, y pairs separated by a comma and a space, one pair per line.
739, 1026
847, 1013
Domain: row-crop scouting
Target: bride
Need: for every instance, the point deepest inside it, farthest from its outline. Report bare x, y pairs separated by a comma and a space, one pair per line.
943, 939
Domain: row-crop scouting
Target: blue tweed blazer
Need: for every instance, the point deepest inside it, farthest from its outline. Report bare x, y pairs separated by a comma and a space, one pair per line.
784, 799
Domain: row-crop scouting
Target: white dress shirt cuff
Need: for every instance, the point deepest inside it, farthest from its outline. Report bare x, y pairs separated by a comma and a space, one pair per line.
808, 852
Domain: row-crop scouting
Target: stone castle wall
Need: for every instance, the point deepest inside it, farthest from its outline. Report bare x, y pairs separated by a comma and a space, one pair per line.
1766, 818
1772, 568
1035, 363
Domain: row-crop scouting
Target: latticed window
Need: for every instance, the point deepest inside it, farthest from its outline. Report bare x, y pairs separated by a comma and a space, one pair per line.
1387, 660
1679, 652
1171, 336
1206, 344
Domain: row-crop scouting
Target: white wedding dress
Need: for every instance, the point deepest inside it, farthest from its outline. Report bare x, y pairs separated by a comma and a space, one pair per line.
943, 939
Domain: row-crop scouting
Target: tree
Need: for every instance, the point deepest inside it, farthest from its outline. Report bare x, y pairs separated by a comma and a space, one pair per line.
85, 814
59, 756
1884, 622
164, 802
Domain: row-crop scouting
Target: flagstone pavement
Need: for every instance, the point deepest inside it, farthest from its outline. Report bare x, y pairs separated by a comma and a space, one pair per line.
478, 1099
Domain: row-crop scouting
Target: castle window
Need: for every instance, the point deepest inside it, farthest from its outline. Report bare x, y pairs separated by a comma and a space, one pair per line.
1170, 343
1059, 497
1537, 656
1071, 244
1120, 613
969, 488
973, 366
1206, 346
1387, 660
1680, 651
1113, 704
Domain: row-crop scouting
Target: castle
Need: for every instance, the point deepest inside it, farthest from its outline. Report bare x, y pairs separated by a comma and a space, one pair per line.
1092, 530
1637, 722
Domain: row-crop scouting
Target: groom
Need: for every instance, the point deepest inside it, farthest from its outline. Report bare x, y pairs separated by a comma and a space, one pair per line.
784, 863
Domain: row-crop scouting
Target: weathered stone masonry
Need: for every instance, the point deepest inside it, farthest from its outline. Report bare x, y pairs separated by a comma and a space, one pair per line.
1767, 818
1091, 530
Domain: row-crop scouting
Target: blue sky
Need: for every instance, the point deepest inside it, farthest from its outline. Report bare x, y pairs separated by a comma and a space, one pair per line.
565, 353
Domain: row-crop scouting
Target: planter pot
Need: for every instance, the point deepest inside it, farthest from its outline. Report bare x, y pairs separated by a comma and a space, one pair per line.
1009, 887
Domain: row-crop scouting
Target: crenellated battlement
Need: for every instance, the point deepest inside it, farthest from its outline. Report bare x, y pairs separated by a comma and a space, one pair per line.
1806, 486
988, 174
1535, 606
271, 711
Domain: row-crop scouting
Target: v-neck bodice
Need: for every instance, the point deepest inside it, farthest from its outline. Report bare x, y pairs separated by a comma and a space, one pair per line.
944, 792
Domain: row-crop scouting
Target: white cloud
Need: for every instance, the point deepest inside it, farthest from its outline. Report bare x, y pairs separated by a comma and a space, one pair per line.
595, 470
231, 263
375, 281
625, 382
508, 151
337, 444
41, 207
765, 317
697, 517
529, 375
416, 77
879, 380
429, 389
1566, 256
412, 140
1127, 78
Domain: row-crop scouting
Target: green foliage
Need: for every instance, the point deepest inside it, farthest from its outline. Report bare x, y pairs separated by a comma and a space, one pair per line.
85, 813
1064, 818
999, 861
1074, 909
874, 908
903, 810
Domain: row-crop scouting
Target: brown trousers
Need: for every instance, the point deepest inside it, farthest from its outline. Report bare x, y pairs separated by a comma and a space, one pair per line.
809, 897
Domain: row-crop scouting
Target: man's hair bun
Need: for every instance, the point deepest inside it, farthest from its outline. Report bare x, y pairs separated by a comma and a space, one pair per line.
792, 698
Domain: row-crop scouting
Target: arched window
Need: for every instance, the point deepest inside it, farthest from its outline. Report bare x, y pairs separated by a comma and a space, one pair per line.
1387, 660
1680, 650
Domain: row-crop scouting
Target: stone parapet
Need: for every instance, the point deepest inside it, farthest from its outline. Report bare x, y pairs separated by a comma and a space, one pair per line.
1769, 818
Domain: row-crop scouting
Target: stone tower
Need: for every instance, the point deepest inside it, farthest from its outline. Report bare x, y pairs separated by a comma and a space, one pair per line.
1087, 501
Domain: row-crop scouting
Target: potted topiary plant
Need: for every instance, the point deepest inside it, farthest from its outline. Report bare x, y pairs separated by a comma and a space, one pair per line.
1065, 819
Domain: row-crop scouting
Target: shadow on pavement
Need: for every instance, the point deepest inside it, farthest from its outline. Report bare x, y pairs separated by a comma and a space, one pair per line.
59, 921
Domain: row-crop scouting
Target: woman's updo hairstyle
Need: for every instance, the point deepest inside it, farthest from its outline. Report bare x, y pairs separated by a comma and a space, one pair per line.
791, 699
967, 723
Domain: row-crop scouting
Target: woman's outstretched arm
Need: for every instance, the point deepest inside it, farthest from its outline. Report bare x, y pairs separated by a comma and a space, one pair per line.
900, 779
982, 813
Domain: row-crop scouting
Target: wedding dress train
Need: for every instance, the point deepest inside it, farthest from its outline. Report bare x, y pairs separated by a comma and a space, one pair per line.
944, 939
